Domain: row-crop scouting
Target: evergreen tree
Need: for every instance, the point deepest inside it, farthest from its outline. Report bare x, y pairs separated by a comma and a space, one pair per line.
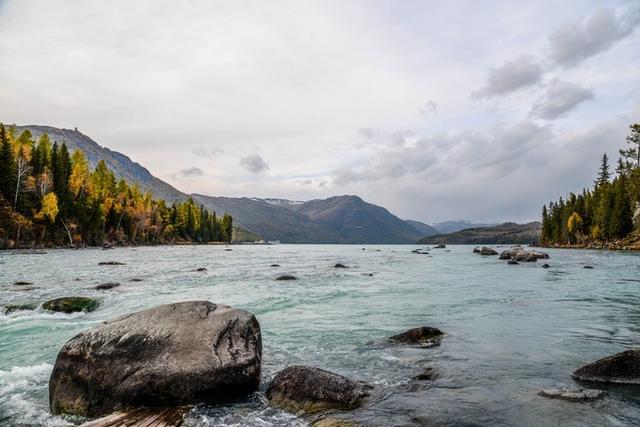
632, 154
621, 217
7, 165
603, 175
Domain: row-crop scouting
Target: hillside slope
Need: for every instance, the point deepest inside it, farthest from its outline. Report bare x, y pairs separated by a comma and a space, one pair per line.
121, 165
507, 233
423, 229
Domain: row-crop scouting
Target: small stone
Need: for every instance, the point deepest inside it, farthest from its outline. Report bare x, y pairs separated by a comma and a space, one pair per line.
545, 266
512, 262
286, 277
421, 335
275, 265
111, 263
588, 267
339, 265
22, 283
428, 374
201, 269
105, 286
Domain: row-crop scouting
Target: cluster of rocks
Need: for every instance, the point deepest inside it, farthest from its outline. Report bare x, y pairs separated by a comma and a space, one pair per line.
193, 352
520, 254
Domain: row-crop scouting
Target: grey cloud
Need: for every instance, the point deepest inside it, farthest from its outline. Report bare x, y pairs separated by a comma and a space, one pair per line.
429, 108
559, 99
190, 172
511, 76
491, 154
208, 153
366, 132
254, 163
578, 41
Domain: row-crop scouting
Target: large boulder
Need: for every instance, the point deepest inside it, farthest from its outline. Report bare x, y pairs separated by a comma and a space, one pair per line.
311, 390
169, 355
621, 368
71, 304
421, 335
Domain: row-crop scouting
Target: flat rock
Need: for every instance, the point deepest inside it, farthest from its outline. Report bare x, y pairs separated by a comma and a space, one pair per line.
111, 263
286, 277
106, 286
22, 283
169, 355
572, 394
310, 390
201, 269
421, 335
512, 262
71, 304
275, 265
339, 265
622, 368
588, 267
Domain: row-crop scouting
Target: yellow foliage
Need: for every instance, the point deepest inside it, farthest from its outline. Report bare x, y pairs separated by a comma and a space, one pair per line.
80, 174
574, 223
49, 207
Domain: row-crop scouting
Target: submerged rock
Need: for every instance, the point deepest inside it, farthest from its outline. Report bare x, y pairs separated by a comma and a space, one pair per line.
623, 368
588, 267
545, 265
487, 251
169, 355
22, 283
286, 277
440, 246
71, 304
339, 265
201, 269
572, 394
334, 422
421, 335
513, 262
309, 389
275, 265
428, 374
111, 263
11, 308
105, 286
136, 279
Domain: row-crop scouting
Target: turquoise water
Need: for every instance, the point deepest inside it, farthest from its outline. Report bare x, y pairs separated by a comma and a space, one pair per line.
511, 330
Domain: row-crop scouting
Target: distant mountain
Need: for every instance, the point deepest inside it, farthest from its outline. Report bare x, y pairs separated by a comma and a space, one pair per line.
342, 219
358, 221
121, 165
423, 229
507, 233
453, 226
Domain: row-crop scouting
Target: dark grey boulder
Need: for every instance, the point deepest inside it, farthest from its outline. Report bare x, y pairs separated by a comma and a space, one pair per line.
421, 335
545, 266
286, 277
201, 269
310, 390
170, 355
487, 251
71, 304
111, 263
588, 267
623, 368
340, 265
572, 394
427, 374
22, 283
106, 286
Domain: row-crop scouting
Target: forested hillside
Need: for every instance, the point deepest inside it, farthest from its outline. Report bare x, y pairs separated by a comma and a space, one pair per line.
605, 214
49, 196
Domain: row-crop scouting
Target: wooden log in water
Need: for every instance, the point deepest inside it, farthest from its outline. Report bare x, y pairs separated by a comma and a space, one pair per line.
143, 417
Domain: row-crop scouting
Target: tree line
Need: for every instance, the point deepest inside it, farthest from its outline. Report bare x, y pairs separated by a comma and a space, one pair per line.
49, 196
604, 213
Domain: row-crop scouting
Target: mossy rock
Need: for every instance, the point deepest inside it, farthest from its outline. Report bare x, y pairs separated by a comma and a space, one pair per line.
10, 308
71, 304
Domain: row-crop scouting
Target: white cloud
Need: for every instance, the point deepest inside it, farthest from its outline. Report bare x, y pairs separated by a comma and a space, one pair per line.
559, 99
511, 76
579, 40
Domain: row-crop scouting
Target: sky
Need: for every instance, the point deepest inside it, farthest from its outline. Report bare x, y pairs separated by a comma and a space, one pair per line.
436, 110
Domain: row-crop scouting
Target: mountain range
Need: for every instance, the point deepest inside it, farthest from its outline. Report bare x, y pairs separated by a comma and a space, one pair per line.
505, 234
341, 219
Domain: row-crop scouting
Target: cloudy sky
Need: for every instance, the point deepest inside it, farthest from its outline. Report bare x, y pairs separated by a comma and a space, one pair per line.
435, 110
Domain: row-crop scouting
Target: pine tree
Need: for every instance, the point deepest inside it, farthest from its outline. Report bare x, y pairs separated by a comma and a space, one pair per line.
7, 165
546, 226
632, 154
603, 175
621, 220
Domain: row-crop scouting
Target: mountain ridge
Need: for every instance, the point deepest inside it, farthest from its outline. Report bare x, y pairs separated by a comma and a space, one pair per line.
505, 233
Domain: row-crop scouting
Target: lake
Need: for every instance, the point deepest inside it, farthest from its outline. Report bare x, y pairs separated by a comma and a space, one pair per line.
511, 330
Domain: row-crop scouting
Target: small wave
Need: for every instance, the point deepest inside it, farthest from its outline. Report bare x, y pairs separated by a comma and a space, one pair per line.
23, 396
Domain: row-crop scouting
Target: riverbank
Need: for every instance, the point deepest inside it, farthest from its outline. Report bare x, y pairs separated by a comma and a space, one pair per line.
629, 243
